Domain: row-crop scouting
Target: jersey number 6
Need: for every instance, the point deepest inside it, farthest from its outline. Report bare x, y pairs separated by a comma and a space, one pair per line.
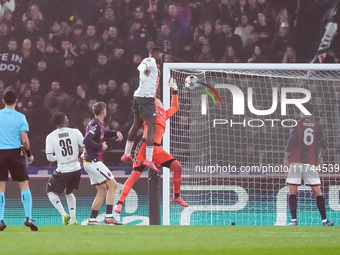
308, 136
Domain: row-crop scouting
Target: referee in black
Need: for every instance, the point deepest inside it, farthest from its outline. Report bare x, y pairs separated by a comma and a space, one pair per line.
13, 133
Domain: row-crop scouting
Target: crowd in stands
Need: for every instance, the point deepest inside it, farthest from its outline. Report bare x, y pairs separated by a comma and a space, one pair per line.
77, 52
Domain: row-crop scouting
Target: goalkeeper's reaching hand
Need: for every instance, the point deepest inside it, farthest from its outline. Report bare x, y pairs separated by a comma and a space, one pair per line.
172, 84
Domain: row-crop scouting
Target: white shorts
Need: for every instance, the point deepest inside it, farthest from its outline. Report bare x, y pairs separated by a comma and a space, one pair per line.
309, 174
97, 172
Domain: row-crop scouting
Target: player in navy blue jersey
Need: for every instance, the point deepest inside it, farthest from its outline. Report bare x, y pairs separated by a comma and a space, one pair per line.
304, 153
99, 174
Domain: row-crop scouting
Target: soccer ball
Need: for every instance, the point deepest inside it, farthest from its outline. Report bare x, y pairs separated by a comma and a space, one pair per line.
191, 82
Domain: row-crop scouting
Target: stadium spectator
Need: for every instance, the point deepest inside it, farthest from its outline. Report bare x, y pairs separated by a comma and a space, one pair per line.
244, 29
85, 10
113, 41
56, 100
68, 76
124, 99
67, 49
264, 29
92, 39
12, 22
35, 86
178, 25
252, 11
6, 6
206, 55
241, 8
40, 45
186, 52
118, 65
147, 24
289, 55
225, 11
79, 106
230, 55
112, 88
84, 62
25, 100
4, 35
208, 10
29, 61
232, 39
76, 34
53, 58
112, 112
102, 91
263, 6
166, 42
258, 56
109, 19
56, 35
30, 31
45, 74
280, 42
102, 71
136, 39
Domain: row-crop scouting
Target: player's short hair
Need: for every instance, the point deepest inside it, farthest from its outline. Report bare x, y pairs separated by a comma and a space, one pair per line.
58, 119
98, 107
10, 97
309, 106
154, 49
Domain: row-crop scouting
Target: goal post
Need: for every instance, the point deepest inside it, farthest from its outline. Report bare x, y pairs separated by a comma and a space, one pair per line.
230, 134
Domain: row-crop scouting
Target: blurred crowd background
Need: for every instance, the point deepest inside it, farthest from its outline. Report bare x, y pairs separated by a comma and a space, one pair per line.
65, 55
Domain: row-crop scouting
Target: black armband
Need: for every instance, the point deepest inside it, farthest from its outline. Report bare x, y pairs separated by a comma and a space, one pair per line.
175, 92
28, 152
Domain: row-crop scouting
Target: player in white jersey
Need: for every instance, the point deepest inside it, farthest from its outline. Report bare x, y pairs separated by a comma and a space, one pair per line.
64, 145
143, 106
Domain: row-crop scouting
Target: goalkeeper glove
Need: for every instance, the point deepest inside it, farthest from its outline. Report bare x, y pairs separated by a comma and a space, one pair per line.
173, 85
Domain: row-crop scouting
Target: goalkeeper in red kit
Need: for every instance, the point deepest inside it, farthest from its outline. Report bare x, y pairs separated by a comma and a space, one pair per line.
160, 157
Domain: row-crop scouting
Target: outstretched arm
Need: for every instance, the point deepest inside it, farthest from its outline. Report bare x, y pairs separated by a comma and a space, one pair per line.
174, 104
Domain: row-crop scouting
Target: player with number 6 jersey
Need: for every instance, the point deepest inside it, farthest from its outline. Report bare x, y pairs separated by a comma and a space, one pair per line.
304, 155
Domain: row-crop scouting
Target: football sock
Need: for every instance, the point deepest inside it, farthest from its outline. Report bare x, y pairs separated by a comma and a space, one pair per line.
109, 209
128, 148
176, 195
71, 203
320, 202
176, 167
148, 153
26, 199
292, 206
2, 206
55, 200
94, 215
128, 185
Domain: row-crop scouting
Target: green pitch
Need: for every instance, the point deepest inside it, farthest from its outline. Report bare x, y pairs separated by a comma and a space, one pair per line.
174, 240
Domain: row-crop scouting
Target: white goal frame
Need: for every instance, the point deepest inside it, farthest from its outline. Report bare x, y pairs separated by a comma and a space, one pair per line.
216, 66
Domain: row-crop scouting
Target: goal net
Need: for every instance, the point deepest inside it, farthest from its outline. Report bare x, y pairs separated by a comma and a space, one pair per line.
232, 149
